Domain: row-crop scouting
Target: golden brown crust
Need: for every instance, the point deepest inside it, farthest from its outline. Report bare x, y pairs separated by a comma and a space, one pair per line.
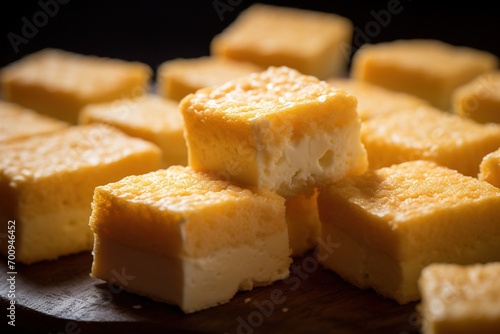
19, 122
178, 211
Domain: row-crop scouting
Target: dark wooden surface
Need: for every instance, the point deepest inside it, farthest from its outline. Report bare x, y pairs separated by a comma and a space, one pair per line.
60, 297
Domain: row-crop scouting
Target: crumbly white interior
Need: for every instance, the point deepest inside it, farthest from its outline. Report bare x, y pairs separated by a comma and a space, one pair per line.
295, 167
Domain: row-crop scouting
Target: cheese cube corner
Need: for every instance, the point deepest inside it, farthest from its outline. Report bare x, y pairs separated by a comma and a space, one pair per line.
59, 83
460, 299
427, 68
427, 133
149, 117
489, 169
479, 99
47, 183
313, 43
19, 122
188, 238
182, 76
374, 100
277, 129
392, 222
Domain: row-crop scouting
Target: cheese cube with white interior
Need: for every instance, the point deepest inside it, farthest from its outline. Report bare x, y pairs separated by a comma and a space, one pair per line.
277, 129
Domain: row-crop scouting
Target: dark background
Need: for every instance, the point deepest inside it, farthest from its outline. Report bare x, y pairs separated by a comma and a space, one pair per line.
155, 31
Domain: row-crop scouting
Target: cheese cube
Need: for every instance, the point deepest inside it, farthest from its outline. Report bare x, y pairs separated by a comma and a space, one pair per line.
479, 99
374, 100
460, 299
188, 238
19, 122
429, 69
47, 182
489, 169
180, 77
303, 223
313, 43
429, 134
149, 117
391, 222
277, 129
59, 83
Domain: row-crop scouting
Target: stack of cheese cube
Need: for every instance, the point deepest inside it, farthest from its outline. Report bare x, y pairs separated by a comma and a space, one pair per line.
244, 158
259, 147
429, 197
219, 224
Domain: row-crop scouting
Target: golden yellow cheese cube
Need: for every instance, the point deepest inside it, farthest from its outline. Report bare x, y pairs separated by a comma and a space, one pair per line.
489, 169
180, 77
188, 238
429, 69
47, 183
479, 99
313, 43
460, 299
391, 222
277, 129
303, 223
59, 83
19, 122
374, 100
149, 117
429, 134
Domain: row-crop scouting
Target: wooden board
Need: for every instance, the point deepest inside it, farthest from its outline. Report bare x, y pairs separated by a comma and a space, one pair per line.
60, 297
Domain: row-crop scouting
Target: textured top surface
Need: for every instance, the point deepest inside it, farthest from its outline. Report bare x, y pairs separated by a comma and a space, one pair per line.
150, 112
269, 28
459, 292
177, 210
409, 190
67, 150
277, 90
436, 130
375, 100
206, 71
18, 122
427, 55
62, 71
177, 189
